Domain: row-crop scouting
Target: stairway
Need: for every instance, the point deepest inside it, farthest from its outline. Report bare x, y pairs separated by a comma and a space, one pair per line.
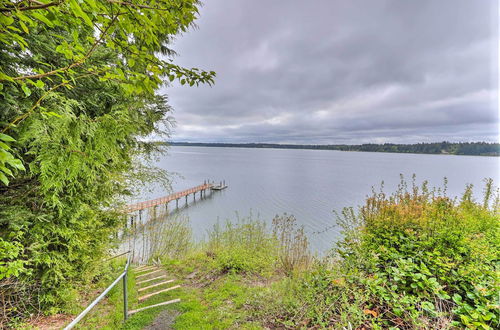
150, 281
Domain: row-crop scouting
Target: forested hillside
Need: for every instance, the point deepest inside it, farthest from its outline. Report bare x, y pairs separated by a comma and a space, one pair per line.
453, 148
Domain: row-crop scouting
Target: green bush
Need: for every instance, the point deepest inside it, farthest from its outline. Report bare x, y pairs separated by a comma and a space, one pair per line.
427, 259
414, 259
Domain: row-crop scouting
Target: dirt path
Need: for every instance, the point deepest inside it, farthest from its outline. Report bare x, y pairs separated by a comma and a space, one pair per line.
163, 321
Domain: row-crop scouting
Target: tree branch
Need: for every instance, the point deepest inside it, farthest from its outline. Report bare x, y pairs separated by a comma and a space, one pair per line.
72, 65
39, 101
130, 4
39, 5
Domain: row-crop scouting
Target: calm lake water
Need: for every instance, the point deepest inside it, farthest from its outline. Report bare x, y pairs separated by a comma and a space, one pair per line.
310, 184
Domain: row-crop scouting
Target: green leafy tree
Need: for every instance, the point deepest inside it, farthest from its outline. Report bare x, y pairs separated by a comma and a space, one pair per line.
137, 30
78, 82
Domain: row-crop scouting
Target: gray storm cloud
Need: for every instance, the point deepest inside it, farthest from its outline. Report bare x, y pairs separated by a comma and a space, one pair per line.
328, 71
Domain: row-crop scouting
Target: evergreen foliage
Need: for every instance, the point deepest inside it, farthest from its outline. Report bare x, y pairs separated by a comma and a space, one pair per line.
78, 84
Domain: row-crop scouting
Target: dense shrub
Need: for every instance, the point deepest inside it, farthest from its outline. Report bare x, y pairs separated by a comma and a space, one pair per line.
414, 259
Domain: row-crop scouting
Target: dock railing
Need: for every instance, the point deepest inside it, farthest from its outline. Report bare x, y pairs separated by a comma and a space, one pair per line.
123, 276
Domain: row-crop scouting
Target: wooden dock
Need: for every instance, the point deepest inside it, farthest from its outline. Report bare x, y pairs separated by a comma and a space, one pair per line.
201, 189
221, 186
140, 222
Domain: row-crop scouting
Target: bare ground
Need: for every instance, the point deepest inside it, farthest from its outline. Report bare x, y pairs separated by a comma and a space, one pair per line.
163, 321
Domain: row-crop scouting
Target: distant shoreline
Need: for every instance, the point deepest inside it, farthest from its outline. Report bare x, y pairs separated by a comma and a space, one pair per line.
439, 148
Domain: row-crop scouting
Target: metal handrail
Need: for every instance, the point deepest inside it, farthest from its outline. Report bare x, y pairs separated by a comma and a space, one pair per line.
123, 276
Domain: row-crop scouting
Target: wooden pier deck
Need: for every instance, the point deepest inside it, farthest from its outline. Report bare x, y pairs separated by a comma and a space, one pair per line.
165, 200
140, 219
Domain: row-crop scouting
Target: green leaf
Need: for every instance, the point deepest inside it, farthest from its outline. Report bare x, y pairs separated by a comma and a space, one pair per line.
7, 138
6, 170
4, 146
26, 90
6, 20
42, 18
52, 114
40, 84
3, 76
24, 27
80, 13
16, 163
4, 179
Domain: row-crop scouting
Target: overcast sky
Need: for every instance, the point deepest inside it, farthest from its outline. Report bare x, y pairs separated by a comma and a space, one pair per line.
325, 71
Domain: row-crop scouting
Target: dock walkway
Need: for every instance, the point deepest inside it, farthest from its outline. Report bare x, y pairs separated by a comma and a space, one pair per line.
173, 197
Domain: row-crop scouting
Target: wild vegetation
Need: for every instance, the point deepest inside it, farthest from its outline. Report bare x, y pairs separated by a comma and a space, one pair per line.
78, 92
413, 259
79, 85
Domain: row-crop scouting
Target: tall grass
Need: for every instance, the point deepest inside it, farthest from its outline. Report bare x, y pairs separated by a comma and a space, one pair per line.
250, 246
171, 237
293, 245
163, 235
245, 246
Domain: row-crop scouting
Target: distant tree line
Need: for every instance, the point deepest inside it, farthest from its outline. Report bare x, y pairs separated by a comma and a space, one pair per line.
452, 148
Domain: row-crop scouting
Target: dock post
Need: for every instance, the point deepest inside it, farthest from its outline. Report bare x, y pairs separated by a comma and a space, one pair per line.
177, 203
186, 200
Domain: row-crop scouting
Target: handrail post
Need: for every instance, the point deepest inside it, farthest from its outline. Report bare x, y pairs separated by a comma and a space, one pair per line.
122, 276
125, 296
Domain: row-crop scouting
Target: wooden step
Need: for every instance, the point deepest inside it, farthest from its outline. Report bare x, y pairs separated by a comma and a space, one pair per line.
155, 285
151, 279
141, 268
158, 292
144, 265
156, 305
146, 270
147, 274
